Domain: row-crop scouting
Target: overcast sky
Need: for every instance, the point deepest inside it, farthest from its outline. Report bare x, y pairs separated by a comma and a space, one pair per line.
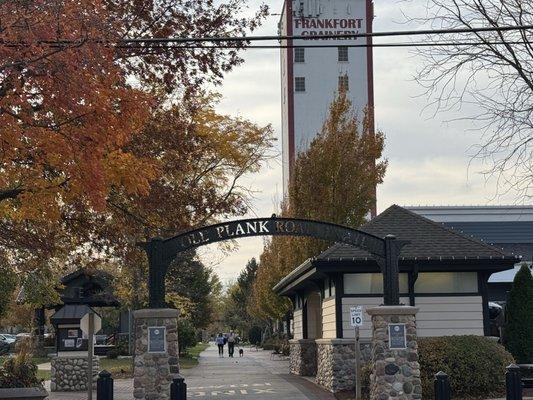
428, 158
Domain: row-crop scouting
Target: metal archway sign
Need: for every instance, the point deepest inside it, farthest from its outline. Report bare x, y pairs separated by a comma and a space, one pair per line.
161, 252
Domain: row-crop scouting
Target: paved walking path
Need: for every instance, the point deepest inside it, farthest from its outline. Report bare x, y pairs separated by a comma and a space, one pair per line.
252, 377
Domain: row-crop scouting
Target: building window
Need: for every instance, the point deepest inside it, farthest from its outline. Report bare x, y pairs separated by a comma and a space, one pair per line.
299, 84
344, 84
370, 283
343, 54
446, 282
299, 55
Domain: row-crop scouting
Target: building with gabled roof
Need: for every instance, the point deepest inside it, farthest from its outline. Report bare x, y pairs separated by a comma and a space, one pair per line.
506, 227
442, 272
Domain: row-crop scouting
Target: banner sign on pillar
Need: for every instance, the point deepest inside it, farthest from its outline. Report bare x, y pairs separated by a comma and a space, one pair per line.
157, 342
397, 338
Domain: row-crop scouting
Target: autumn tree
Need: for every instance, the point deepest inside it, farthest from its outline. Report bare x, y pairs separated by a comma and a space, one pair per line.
8, 284
73, 93
200, 157
95, 130
489, 73
333, 181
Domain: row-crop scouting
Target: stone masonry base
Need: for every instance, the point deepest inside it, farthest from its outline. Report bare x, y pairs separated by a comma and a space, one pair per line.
395, 373
153, 372
336, 364
303, 357
69, 374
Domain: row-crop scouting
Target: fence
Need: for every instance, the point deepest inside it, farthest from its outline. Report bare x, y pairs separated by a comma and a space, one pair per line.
513, 384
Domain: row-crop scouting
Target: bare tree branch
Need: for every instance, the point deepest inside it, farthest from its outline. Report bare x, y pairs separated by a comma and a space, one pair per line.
494, 76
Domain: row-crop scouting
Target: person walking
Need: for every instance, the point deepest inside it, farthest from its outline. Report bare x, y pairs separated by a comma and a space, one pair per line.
232, 338
220, 340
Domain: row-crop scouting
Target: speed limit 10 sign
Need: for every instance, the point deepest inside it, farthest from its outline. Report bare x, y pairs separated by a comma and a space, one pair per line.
356, 316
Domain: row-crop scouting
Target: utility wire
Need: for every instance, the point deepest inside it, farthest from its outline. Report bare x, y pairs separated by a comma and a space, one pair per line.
247, 39
335, 36
387, 45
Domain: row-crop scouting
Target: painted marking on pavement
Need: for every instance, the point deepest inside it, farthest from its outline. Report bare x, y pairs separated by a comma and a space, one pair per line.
240, 385
243, 392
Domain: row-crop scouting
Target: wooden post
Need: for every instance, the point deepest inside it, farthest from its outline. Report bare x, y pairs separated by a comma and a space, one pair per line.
357, 365
90, 353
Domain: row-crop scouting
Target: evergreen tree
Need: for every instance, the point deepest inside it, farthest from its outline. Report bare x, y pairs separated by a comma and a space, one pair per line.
192, 288
236, 315
519, 317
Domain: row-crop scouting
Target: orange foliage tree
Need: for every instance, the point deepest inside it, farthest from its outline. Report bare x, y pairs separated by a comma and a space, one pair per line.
97, 137
333, 181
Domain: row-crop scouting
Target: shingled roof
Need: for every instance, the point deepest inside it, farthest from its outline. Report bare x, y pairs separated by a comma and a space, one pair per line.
428, 240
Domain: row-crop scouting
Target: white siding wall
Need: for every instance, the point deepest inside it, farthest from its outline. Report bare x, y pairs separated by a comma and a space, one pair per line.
298, 324
365, 331
445, 316
437, 316
329, 328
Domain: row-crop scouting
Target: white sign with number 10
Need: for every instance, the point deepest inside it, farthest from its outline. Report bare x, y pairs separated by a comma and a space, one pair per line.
356, 316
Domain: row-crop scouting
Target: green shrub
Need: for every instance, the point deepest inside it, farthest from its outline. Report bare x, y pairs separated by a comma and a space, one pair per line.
280, 345
269, 344
519, 317
254, 335
19, 371
122, 346
113, 353
186, 335
475, 365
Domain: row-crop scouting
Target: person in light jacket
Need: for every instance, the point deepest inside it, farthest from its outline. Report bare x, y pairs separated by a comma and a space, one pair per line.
220, 341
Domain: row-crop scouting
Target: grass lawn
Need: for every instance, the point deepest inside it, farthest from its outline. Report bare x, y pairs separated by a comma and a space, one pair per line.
122, 368
190, 360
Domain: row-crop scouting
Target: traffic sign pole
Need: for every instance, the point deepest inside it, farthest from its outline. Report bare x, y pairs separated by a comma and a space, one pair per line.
90, 357
356, 320
357, 365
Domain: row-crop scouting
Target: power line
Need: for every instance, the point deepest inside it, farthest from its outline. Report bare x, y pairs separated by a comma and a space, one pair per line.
247, 39
378, 45
334, 36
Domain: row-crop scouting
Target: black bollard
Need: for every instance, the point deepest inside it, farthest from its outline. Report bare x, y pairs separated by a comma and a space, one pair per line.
441, 385
104, 386
513, 382
178, 389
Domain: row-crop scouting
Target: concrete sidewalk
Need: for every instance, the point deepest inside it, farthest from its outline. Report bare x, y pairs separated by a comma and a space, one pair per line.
254, 376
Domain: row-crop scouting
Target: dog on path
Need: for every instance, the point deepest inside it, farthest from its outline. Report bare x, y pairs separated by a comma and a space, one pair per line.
241, 352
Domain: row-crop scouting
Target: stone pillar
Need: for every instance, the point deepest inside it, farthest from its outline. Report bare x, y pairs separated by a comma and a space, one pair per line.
336, 363
302, 359
395, 373
69, 374
153, 371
